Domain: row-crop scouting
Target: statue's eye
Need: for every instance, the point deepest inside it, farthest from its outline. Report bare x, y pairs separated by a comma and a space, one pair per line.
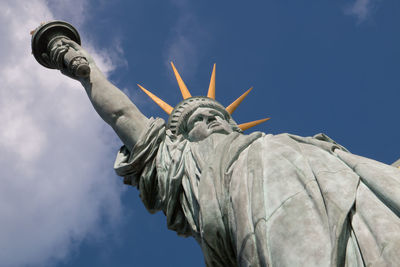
198, 119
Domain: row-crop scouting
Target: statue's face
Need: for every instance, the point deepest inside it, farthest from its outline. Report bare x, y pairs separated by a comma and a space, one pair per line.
205, 121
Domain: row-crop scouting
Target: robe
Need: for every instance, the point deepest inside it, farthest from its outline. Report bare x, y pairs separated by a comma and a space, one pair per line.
269, 200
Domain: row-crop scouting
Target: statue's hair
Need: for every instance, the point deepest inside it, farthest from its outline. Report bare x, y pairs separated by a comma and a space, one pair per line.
177, 121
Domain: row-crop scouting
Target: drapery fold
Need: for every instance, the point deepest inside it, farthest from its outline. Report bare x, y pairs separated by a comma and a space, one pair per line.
269, 200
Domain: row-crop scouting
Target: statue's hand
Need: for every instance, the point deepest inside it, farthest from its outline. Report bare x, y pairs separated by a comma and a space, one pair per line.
61, 49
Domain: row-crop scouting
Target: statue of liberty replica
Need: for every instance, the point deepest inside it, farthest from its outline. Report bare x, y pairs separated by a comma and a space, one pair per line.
248, 200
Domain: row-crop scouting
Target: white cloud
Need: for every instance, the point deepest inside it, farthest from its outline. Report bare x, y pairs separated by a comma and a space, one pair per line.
360, 9
183, 46
56, 158
73, 10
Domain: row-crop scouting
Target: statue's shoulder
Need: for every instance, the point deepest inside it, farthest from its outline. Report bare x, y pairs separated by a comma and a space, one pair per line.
320, 140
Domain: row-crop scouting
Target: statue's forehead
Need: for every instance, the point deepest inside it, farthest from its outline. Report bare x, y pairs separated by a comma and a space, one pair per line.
206, 111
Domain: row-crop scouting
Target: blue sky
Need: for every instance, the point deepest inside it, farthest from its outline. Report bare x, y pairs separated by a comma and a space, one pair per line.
316, 66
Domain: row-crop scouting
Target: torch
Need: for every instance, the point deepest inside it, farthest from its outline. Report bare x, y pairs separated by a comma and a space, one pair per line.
45, 37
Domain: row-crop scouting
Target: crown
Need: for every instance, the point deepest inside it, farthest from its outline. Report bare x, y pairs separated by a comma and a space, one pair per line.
184, 109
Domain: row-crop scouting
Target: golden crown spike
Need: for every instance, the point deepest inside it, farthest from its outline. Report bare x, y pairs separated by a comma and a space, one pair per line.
231, 108
185, 92
211, 88
248, 125
167, 108
210, 94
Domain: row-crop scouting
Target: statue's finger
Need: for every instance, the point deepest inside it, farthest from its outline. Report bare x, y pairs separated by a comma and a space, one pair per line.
73, 44
53, 53
60, 57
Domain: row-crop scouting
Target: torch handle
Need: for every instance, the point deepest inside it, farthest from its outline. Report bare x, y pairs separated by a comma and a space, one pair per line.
74, 62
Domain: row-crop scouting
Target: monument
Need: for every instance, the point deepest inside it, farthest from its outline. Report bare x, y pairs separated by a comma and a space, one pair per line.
248, 200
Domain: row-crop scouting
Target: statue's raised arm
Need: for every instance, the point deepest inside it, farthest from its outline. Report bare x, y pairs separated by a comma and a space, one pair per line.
113, 106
